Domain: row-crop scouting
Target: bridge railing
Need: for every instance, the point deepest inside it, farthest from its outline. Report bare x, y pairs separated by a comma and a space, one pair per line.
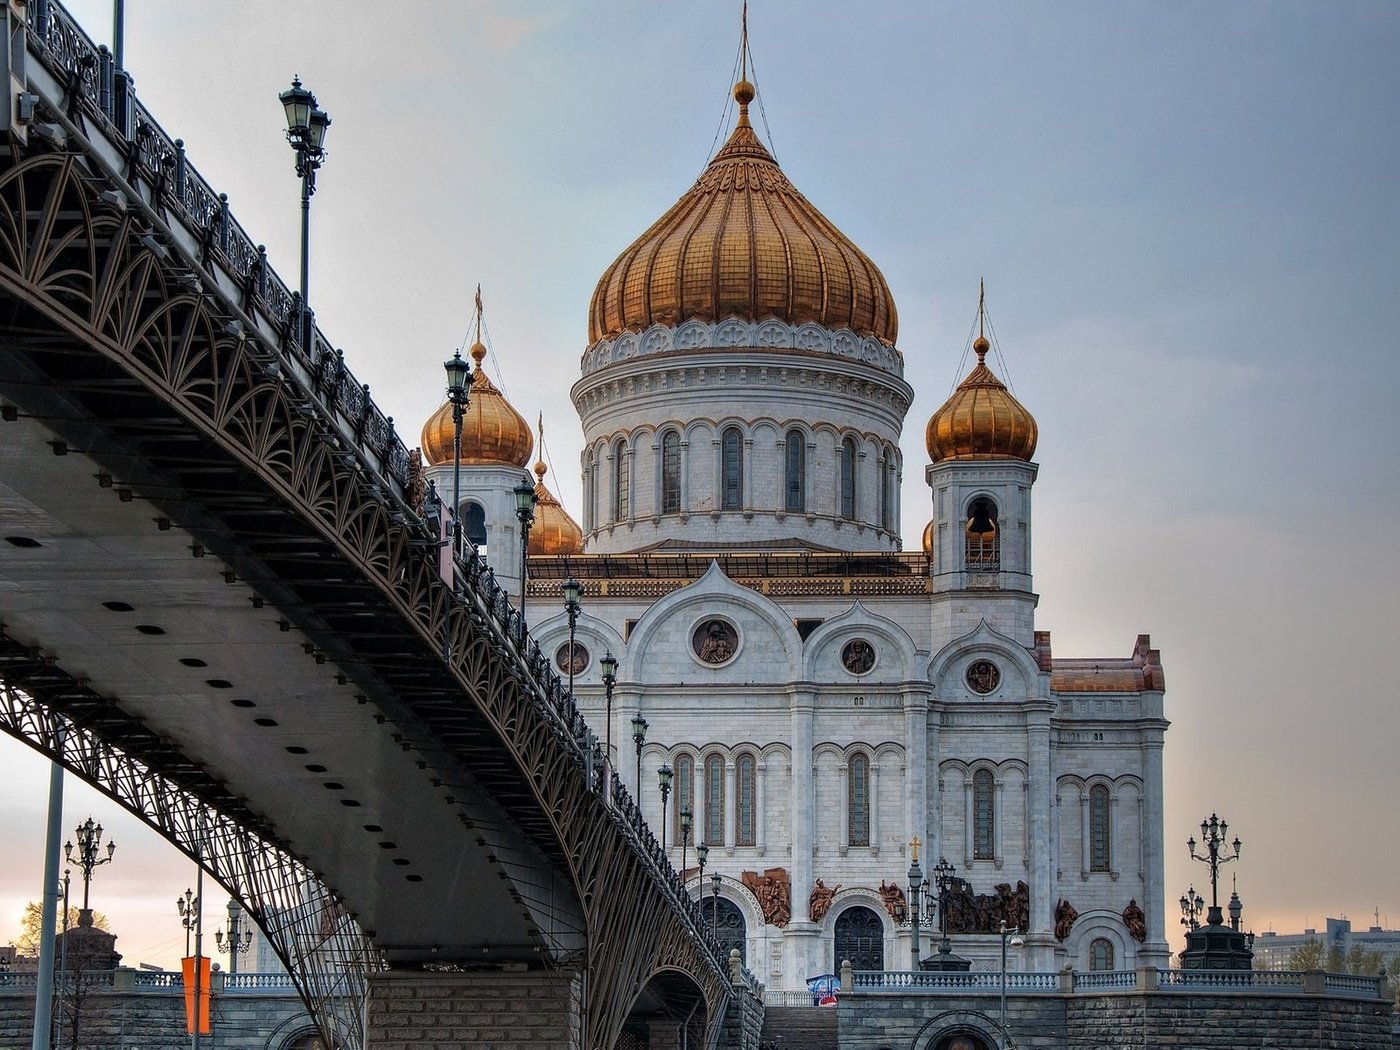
96, 91
1146, 979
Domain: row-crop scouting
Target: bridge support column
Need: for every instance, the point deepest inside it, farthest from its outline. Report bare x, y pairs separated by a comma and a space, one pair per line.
412, 1010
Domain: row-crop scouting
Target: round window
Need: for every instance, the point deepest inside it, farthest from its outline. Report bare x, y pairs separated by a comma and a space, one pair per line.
571, 658
858, 656
983, 676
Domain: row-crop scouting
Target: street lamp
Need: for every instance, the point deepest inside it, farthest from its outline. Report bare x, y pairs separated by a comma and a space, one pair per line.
686, 825
573, 602
702, 854
714, 906
916, 885
306, 131
1192, 907
663, 776
237, 941
1213, 833
639, 737
459, 385
943, 878
525, 511
188, 907
1017, 941
87, 858
607, 666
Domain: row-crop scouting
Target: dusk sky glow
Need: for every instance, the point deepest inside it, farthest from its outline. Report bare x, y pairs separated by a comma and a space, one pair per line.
1187, 219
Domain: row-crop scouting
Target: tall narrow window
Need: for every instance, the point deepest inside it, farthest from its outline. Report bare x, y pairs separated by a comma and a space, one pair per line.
622, 482
848, 479
670, 472
474, 521
983, 816
714, 801
1098, 828
590, 489
983, 538
744, 814
731, 469
1101, 954
795, 472
685, 792
858, 799
886, 503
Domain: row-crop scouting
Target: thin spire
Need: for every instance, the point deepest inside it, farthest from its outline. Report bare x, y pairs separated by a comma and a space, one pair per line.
478, 312
981, 306
744, 91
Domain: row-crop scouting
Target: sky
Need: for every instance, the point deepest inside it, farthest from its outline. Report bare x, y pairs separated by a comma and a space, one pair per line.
1188, 223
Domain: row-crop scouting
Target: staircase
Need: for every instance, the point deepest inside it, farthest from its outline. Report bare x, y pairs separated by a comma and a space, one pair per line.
798, 1028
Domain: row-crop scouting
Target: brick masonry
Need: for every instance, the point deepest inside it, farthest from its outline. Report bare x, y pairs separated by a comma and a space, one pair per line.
488, 1011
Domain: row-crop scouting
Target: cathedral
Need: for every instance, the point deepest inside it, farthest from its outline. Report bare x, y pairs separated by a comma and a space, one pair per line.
824, 706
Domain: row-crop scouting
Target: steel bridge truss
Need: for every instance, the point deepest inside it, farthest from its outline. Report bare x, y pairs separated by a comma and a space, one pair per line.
323, 949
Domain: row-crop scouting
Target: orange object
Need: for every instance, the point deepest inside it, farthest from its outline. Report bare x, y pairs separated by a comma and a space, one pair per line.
187, 966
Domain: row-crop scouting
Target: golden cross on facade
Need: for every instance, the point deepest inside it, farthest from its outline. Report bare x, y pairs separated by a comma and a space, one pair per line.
914, 845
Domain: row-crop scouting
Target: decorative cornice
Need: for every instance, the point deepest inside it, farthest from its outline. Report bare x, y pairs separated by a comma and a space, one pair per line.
734, 334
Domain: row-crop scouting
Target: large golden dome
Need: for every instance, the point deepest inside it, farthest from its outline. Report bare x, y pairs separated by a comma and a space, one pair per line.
492, 431
553, 532
743, 243
982, 420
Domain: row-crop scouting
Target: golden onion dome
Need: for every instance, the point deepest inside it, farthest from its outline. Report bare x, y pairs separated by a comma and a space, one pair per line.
928, 538
492, 431
553, 532
743, 243
982, 420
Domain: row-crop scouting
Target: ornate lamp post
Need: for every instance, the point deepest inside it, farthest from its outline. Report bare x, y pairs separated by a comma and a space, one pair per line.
188, 908
87, 857
1193, 905
1216, 856
686, 825
639, 737
943, 878
237, 941
1017, 941
525, 512
459, 385
702, 854
916, 885
663, 777
573, 602
306, 131
607, 666
715, 880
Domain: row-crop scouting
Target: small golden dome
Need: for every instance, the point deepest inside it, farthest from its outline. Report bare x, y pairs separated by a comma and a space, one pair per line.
492, 431
742, 242
553, 532
982, 420
928, 537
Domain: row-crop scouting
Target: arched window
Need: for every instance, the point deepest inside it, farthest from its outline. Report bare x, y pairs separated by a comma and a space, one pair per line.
1099, 830
848, 479
744, 813
1101, 954
731, 469
474, 523
983, 538
670, 472
887, 490
590, 489
983, 816
859, 937
714, 801
685, 793
858, 799
622, 482
795, 472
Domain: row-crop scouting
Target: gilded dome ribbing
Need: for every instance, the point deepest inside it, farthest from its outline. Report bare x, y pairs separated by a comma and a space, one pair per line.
553, 532
982, 420
492, 431
743, 242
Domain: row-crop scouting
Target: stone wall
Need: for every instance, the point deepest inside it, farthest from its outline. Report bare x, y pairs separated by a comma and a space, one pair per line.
503, 1011
155, 1020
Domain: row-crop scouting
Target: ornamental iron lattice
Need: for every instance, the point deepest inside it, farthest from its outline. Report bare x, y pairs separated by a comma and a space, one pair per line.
860, 939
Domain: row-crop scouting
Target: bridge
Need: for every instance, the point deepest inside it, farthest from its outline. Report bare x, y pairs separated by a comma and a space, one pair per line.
225, 602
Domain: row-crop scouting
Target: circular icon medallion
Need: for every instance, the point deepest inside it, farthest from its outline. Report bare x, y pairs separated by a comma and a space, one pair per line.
983, 676
858, 656
715, 641
571, 662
